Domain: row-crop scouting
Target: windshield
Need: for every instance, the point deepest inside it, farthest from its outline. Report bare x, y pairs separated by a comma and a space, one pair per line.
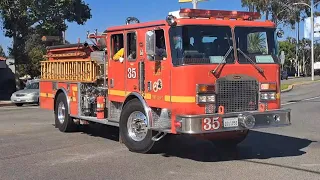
257, 43
201, 44
32, 86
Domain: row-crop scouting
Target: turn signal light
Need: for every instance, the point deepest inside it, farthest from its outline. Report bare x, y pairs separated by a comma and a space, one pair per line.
205, 88
268, 87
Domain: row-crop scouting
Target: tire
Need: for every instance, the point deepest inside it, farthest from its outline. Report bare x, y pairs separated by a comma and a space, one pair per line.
19, 104
143, 145
65, 124
230, 143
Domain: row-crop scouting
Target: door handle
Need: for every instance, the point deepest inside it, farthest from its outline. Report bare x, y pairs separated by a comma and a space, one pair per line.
149, 86
111, 83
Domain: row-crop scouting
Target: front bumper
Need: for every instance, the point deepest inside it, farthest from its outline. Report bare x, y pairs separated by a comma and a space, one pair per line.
211, 123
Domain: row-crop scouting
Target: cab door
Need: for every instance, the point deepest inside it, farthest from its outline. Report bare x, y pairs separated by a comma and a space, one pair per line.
116, 77
132, 60
157, 67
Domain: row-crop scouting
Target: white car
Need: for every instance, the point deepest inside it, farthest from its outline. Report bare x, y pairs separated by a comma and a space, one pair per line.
28, 95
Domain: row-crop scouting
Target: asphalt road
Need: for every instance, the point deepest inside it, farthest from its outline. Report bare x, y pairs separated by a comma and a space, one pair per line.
31, 148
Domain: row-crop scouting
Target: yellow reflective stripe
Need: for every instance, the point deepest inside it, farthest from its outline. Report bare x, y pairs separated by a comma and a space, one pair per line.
147, 96
175, 99
180, 99
117, 92
49, 95
46, 95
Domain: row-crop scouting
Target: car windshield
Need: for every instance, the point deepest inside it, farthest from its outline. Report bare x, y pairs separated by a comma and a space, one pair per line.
257, 44
33, 86
201, 44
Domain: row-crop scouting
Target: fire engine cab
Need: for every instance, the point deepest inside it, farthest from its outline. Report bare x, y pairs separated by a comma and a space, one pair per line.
208, 73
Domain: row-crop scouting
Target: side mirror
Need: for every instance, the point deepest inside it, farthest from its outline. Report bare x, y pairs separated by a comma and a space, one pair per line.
280, 33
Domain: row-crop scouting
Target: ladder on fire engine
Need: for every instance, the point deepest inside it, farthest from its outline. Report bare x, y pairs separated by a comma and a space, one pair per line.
73, 63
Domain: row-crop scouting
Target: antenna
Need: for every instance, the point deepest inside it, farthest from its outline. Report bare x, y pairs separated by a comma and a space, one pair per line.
194, 2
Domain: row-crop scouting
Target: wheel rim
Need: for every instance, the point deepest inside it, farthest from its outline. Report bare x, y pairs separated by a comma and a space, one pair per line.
61, 112
137, 126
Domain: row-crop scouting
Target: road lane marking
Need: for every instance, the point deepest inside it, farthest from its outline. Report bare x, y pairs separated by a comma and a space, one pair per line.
308, 99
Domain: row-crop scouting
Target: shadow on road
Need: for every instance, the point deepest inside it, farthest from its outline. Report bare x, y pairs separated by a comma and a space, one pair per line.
100, 130
258, 145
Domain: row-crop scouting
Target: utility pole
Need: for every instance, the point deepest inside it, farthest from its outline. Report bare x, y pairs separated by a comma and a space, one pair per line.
312, 40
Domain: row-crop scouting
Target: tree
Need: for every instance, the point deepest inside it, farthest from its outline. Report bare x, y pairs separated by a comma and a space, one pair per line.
21, 19
49, 16
257, 42
289, 50
2, 53
278, 11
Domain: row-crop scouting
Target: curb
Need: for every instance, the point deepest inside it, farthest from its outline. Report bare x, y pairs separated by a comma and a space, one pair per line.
290, 87
7, 104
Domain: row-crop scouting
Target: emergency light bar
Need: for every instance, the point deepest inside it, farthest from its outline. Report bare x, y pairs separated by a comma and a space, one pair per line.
200, 13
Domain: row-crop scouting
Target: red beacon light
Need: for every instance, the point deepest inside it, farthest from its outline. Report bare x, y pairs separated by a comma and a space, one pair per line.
200, 13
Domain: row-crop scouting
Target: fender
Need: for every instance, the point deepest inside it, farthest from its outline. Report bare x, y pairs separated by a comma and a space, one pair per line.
62, 90
147, 109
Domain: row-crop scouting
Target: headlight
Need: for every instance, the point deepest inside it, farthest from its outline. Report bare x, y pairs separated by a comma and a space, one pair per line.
202, 99
206, 98
268, 96
211, 98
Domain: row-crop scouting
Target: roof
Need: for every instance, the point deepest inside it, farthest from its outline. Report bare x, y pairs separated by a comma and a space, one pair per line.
137, 25
2, 58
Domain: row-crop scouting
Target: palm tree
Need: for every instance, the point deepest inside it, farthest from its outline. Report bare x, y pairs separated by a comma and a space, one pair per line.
256, 43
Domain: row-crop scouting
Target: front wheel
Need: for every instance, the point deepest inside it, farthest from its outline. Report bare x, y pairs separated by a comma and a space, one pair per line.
134, 131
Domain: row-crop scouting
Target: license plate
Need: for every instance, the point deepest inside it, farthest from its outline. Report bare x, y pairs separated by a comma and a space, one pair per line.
18, 100
230, 122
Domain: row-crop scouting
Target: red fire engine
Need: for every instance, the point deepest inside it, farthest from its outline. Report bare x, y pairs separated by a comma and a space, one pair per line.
208, 73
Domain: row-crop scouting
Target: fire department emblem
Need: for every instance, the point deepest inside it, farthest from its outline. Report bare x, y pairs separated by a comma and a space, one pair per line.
157, 85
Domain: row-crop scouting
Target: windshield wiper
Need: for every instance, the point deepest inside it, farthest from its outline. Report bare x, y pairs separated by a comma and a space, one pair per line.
223, 59
253, 63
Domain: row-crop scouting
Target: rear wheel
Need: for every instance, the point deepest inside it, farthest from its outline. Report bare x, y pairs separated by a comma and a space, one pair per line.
63, 121
133, 129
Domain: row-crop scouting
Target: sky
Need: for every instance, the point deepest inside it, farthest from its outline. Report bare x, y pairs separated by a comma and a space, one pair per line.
106, 13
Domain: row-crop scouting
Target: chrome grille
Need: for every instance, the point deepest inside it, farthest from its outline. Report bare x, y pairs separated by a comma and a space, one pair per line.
237, 94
